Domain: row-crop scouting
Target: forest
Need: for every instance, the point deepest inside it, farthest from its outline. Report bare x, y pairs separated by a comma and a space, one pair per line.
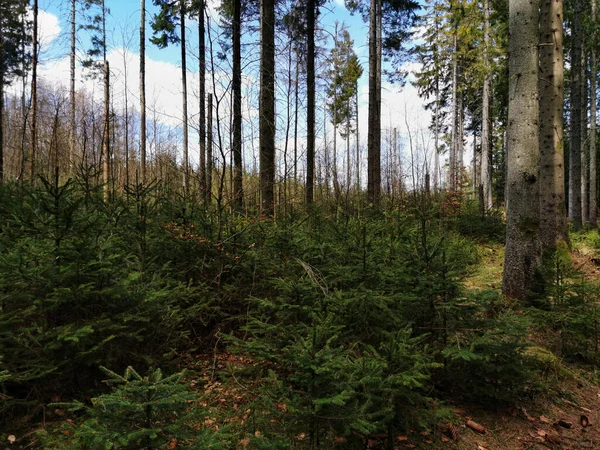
299, 224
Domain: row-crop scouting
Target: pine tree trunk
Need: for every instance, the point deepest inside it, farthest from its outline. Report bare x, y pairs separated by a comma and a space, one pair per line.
296, 88
1, 115
357, 144
34, 102
454, 140
374, 133
553, 225
267, 106
585, 155
209, 150
143, 90
237, 106
186, 156
106, 133
72, 124
310, 92
523, 249
202, 100
486, 153
593, 156
575, 150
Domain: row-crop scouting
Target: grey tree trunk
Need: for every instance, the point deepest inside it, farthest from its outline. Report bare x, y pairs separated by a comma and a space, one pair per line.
310, 111
143, 90
585, 150
202, 99
593, 156
238, 192
486, 153
72, 126
553, 222
575, 150
267, 106
523, 248
454, 141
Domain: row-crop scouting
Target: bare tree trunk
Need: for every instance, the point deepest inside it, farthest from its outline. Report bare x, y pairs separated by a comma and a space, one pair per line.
454, 141
585, 155
486, 153
202, 99
2, 112
593, 156
238, 192
106, 133
575, 150
34, 102
374, 133
297, 83
143, 90
553, 222
209, 151
523, 249
72, 124
267, 106
357, 145
186, 155
310, 112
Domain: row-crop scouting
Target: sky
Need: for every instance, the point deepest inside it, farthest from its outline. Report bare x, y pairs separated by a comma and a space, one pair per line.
401, 107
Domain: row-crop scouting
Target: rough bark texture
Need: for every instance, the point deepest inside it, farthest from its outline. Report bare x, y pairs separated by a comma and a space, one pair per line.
143, 89
237, 106
454, 141
593, 156
267, 107
585, 149
374, 131
310, 100
186, 155
72, 125
34, 103
553, 223
575, 150
486, 154
523, 249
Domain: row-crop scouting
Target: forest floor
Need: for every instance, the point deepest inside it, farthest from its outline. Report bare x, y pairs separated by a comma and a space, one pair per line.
568, 417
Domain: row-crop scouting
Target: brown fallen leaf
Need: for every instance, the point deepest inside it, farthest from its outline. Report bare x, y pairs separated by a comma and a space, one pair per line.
459, 411
245, 442
584, 421
476, 427
553, 438
173, 444
452, 431
544, 419
402, 438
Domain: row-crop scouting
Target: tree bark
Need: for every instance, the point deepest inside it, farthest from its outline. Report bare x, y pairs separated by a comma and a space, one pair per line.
34, 102
209, 150
593, 156
575, 150
202, 99
374, 132
486, 154
553, 222
310, 91
523, 249
585, 155
106, 133
267, 106
238, 192
186, 155
143, 90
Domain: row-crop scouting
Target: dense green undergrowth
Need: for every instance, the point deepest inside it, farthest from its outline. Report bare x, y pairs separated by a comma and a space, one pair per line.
358, 319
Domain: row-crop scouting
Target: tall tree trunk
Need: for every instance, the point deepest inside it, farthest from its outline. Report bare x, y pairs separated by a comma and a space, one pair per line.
374, 133
593, 156
72, 124
34, 102
357, 143
310, 91
486, 153
575, 150
202, 95
267, 106
553, 222
238, 192
585, 155
1, 115
186, 155
296, 88
106, 133
143, 90
523, 249
209, 150
454, 140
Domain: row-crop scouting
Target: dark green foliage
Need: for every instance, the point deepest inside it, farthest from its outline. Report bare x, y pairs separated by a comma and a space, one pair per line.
150, 412
14, 40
